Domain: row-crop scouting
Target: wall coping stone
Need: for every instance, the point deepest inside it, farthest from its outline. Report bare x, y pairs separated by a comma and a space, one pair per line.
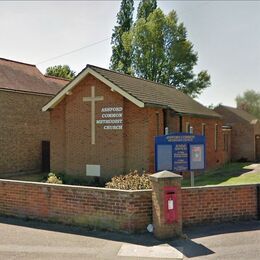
164, 175
220, 186
73, 186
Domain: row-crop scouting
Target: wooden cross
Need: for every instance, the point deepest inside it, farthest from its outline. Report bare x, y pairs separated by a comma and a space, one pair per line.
93, 99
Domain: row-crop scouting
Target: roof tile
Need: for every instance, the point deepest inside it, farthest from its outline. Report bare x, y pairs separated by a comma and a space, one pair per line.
26, 77
152, 93
242, 114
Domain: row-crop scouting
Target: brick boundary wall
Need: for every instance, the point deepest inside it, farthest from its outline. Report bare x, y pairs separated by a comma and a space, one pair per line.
116, 210
219, 203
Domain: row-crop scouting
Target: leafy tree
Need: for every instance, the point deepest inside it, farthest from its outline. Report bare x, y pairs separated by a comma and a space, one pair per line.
162, 53
121, 58
212, 106
250, 102
61, 71
145, 8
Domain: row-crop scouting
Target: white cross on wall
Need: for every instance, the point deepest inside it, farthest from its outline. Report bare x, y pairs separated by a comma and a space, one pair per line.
93, 99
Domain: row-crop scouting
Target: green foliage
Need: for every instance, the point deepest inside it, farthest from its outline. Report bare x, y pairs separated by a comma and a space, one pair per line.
250, 102
61, 71
52, 178
212, 106
162, 53
222, 175
121, 58
131, 181
145, 8
80, 181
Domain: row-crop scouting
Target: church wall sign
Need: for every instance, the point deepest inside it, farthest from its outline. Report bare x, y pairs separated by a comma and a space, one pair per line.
180, 152
112, 118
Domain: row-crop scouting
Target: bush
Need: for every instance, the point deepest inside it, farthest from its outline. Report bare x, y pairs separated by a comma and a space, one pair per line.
131, 181
52, 178
242, 160
80, 180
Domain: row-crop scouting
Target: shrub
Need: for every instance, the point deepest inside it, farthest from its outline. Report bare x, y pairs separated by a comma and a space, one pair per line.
52, 178
130, 181
80, 180
242, 160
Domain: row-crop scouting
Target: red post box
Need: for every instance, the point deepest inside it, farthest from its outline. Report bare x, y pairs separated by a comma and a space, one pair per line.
170, 204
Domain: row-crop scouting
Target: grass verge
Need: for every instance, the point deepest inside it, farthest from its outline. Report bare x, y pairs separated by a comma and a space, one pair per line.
231, 173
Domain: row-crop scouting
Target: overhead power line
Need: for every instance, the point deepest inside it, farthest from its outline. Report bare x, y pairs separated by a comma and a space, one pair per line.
73, 51
81, 48
91, 44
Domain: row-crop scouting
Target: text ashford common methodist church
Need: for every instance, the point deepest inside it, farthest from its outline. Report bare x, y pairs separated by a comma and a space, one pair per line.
103, 123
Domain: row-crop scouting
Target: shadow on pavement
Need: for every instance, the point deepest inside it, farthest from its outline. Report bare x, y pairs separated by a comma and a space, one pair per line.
221, 228
145, 239
188, 247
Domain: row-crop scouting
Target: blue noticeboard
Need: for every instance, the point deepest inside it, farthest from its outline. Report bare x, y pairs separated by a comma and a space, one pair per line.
180, 152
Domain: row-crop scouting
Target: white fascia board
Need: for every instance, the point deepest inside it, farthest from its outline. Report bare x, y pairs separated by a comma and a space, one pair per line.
57, 99
117, 89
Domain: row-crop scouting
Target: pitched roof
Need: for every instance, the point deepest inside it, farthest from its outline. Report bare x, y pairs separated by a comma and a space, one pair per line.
152, 93
242, 114
140, 91
56, 82
25, 77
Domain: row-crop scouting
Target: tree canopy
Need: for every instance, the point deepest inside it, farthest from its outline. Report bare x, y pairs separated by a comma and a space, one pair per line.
250, 102
120, 59
61, 71
161, 52
145, 8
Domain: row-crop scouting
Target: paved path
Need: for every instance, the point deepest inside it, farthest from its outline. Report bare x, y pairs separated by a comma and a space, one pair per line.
21, 239
253, 168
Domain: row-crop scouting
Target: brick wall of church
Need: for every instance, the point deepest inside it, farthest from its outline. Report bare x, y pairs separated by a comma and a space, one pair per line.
58, 148
116, 151
73, 132
22, 128
214, 157
240, 147
140, 128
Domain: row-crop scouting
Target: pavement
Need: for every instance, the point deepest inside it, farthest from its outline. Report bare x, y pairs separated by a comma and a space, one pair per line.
21, 239
255, 167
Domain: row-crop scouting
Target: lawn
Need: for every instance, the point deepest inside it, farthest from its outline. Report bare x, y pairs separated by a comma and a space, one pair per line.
231, 173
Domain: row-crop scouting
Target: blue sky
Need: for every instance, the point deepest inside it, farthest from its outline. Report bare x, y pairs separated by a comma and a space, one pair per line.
226, 35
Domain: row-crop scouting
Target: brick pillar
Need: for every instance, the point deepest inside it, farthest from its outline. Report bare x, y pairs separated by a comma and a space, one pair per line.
166, 223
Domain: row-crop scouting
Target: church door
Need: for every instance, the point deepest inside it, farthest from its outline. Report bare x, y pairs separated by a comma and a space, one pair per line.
45, 156
257, 148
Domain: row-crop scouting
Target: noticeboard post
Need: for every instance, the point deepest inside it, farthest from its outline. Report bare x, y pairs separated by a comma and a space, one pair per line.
180, 152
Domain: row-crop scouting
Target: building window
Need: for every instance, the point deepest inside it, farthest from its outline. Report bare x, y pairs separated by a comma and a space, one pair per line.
226, 141
216, 137
203, 129
157, 123
187, 127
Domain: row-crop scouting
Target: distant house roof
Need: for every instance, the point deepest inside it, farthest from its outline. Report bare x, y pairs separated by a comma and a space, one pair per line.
242, 114
25, 77
56, 82
139, 91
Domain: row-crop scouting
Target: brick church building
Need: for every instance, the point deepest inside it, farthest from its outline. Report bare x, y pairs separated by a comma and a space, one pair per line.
245, 135
24, 129
103, 123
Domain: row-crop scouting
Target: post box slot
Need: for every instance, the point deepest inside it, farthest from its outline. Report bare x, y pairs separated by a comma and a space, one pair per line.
170, 204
